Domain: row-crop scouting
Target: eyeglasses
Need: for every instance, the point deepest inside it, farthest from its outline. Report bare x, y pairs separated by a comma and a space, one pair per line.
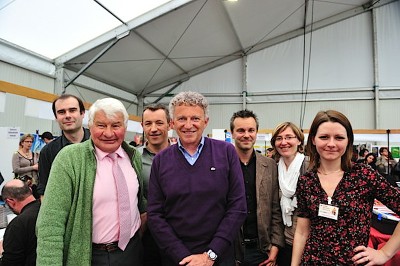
287, 138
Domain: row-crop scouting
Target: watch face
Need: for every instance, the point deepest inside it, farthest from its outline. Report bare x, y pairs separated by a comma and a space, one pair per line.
211, 254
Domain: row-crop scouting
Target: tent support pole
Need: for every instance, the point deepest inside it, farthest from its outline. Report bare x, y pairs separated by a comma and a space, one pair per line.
91, 62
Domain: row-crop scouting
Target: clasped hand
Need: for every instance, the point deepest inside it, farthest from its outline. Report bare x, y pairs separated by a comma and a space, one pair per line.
197, 260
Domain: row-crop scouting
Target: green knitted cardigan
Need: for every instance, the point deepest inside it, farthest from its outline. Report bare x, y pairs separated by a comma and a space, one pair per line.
64, 224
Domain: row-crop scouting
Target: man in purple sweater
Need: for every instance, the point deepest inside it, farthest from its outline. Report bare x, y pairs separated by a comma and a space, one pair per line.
196, 199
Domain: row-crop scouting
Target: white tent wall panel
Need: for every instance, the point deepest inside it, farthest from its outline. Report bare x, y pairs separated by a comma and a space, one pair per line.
90, 96
220, 116
359, 112
278, 68
26, 78
223, 79
389, 114
19, 56
14, 116
102, 89
341, 57
388, 21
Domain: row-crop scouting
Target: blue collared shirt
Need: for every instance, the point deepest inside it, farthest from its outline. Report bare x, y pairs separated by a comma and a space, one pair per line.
191, 158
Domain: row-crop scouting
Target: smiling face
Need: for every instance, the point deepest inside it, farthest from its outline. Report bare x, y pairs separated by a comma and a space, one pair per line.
155, 127
107, 133
68, 115
244, 133
286, 143
189, 123
330, 141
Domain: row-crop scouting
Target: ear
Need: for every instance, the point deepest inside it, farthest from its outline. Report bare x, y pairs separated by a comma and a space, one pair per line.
206, 120
10, 202
313, 140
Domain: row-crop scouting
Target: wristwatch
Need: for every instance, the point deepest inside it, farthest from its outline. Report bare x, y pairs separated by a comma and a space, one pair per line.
211, 255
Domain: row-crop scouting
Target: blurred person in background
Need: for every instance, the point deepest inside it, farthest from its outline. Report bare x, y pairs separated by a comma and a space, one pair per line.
370, 159
361, 155
19, 243
25, 163
47, 137
384, 162
270, 153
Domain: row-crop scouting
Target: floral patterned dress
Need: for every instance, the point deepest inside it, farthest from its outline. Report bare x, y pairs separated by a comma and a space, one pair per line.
331, 242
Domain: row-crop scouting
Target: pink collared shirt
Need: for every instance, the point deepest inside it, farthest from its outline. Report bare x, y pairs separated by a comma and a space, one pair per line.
105, 200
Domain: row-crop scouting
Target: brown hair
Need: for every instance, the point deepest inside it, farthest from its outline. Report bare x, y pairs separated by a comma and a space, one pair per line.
66, 96
296, 130
336, 117
158, 106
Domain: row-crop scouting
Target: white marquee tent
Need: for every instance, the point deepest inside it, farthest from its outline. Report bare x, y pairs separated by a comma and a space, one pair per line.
284, 59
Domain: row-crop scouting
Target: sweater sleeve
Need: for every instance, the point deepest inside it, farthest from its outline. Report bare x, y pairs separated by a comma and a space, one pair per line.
236, 210
52, 219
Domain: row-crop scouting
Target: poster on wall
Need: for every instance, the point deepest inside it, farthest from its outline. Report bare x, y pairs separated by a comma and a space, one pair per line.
13, 132
9, 139
395, 152
375, 150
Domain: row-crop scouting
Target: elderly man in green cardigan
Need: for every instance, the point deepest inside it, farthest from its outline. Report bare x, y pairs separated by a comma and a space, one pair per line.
81, 221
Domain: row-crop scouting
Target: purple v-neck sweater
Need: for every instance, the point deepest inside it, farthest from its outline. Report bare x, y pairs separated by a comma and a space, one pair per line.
195, 208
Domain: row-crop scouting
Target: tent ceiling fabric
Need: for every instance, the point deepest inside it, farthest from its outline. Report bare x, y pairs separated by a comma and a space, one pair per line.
197, 36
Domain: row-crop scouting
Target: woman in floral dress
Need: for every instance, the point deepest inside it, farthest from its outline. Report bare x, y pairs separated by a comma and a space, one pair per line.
335, 200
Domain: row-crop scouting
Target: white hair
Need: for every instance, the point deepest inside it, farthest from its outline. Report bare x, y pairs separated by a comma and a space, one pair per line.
110, 107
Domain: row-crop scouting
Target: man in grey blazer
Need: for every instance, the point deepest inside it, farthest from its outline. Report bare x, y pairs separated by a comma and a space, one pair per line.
262, 233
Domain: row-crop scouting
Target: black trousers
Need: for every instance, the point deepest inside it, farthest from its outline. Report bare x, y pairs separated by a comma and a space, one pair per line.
285, 255
152, 256
132, 255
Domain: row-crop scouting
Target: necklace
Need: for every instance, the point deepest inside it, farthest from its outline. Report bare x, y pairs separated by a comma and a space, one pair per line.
27, 154
325, 173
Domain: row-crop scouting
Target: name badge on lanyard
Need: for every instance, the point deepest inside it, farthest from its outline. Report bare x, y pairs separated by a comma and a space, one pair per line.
328, 211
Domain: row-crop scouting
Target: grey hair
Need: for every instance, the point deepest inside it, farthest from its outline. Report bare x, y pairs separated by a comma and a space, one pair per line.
190, 98
17, 190
110, 107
